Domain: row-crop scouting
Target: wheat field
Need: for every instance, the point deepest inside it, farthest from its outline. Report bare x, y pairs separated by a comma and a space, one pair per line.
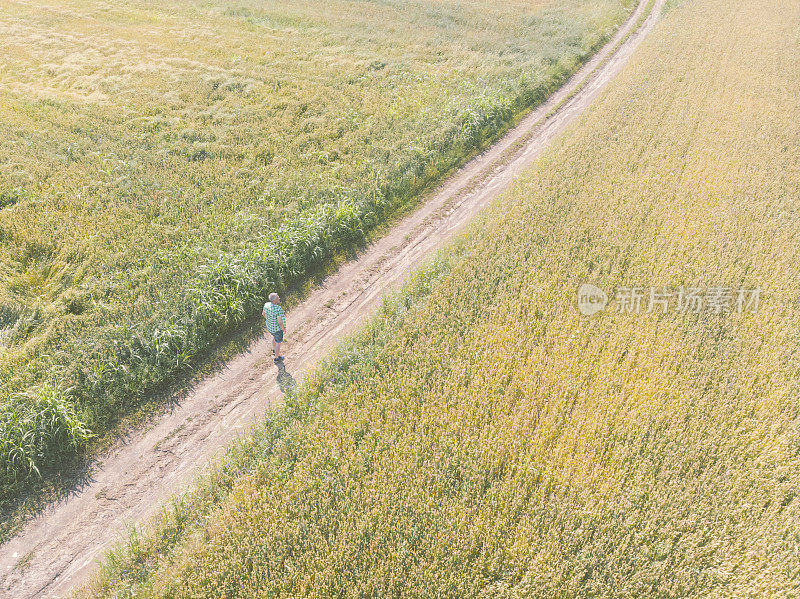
482, 438
164, 165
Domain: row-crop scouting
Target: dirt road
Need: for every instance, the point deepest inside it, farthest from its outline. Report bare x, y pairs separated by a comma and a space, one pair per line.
57, 550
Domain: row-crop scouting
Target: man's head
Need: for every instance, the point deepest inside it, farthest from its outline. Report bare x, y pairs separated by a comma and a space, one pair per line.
274, 298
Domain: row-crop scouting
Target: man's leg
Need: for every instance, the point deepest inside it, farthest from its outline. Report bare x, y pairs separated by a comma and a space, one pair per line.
277, 338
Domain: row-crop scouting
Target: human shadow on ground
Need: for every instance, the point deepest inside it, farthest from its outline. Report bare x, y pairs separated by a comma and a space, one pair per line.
285, 380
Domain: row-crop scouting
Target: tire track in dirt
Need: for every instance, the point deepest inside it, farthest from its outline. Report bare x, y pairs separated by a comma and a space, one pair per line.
56, 551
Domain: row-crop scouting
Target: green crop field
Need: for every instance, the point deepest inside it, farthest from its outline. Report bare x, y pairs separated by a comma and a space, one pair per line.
482, 438
164, 164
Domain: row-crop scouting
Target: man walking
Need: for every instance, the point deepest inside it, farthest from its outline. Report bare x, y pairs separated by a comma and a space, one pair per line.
276, 324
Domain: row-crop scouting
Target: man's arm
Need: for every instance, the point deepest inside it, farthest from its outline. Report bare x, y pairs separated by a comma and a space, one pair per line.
282, 323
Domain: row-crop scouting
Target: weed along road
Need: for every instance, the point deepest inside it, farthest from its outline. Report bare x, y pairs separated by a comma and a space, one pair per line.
56, 551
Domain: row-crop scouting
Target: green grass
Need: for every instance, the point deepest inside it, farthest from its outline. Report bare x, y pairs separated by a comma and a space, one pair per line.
163, 166
481, 438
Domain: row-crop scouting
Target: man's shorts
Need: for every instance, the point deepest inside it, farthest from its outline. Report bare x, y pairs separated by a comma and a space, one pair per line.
278, 335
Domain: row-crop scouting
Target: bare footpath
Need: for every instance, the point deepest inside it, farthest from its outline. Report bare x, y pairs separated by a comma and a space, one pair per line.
57, 550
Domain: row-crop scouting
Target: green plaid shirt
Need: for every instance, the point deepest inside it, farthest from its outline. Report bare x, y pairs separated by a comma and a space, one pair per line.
273, 311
